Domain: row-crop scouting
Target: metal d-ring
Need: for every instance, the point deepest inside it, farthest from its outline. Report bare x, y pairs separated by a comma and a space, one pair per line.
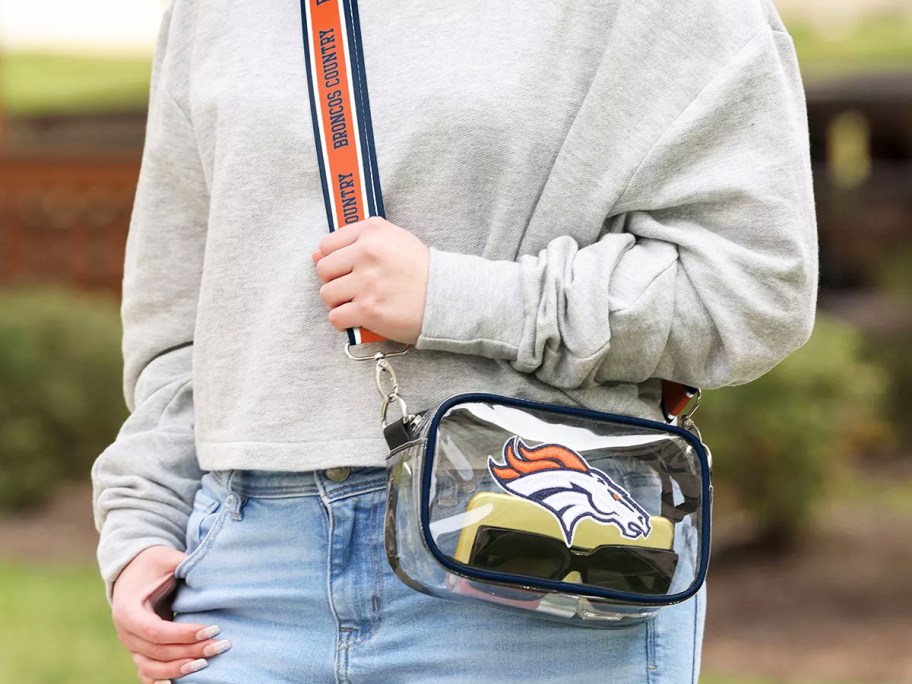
353, 357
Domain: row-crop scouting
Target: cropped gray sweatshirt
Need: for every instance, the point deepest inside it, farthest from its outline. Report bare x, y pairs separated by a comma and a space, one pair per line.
612, 191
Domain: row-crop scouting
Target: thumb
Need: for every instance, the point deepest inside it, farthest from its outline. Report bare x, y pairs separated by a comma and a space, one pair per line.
161, 593
150, 578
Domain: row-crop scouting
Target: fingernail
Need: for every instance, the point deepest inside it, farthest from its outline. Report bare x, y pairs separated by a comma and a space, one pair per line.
208, 632
193, 666
162, 681
217, 647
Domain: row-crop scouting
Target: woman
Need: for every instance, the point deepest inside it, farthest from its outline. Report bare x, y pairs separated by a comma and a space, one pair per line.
582, 199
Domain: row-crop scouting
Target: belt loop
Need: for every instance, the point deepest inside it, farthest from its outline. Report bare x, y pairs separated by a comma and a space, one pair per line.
235, 500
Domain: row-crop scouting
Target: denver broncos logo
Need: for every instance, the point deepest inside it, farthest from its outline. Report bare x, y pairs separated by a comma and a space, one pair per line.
560, 481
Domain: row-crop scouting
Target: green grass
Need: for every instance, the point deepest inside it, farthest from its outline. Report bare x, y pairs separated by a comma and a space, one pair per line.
881, 42
35, 83
57, 628
38, 83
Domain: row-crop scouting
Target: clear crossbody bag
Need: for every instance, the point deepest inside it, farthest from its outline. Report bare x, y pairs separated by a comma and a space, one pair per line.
554, 511
570, 514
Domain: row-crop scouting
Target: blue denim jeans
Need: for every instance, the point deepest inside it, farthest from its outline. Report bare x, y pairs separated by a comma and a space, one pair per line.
292, 567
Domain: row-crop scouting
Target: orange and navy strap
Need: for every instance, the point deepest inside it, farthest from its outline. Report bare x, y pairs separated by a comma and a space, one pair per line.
340, 112
344, 136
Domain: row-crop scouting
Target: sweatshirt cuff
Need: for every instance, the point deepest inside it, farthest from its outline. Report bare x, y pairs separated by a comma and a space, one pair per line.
473, 305
122, 540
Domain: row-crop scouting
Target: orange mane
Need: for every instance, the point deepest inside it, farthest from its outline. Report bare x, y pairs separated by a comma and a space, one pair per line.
535, 459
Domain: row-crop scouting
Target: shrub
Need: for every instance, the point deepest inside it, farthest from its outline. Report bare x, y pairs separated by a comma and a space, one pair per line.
779, 442
896, 277
889, 346
891, 353
61, 401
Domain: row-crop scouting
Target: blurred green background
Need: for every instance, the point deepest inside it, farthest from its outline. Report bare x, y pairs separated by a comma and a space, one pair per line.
811, 578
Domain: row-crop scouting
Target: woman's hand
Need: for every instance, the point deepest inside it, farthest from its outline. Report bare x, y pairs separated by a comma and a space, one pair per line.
375, 276
141, 607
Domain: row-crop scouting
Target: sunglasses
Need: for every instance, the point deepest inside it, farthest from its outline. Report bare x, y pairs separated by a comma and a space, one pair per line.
624, 568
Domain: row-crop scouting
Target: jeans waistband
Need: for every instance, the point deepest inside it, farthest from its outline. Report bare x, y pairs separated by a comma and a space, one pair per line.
286, 483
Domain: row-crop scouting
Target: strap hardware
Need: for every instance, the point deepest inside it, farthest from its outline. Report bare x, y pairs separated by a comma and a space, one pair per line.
687, 418
353, 357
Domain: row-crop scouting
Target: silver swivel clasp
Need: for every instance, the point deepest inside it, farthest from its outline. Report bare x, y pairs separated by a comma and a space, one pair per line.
387, 382
388, 386
687, 422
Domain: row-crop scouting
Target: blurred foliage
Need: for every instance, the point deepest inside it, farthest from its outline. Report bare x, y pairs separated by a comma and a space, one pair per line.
885, 492
61, 401
39, 83
782, 441
896, 278
891, 353
891, 350
880, 40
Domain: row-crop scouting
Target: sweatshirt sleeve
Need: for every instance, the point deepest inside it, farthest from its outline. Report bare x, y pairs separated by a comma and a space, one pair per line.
145, 481
706, 274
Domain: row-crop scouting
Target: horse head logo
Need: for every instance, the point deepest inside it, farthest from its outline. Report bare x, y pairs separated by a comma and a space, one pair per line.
559, 480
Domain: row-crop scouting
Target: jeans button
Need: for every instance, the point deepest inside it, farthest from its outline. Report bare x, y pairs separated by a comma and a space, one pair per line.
338, 474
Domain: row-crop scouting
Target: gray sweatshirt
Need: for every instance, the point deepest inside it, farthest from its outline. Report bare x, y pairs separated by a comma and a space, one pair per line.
613, 192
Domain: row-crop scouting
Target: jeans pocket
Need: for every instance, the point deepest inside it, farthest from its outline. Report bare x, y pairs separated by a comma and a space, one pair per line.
205, 521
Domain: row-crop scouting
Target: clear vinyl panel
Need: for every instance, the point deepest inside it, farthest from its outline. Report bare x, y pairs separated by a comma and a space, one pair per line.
575, 515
